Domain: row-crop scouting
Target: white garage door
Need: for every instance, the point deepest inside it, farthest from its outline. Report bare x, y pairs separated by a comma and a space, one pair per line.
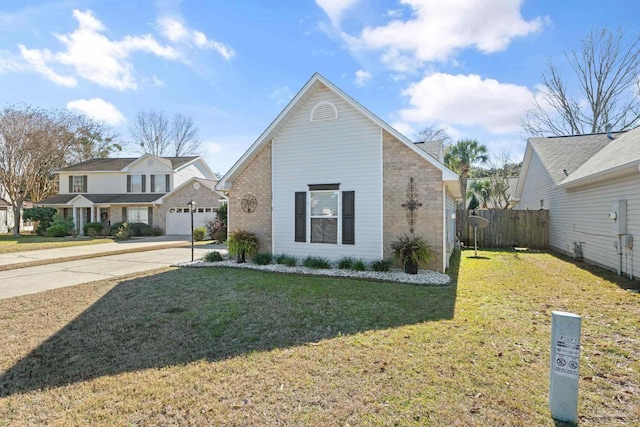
179, 219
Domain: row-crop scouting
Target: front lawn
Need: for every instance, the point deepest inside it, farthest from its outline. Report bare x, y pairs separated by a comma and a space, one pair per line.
239, 347
26, 242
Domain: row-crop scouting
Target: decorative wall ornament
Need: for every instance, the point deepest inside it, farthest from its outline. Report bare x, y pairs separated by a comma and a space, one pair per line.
249, 203
412, 204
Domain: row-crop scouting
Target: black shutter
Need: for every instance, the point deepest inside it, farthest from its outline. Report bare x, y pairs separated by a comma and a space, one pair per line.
150, 215
167, 183
152, 189
71, 184
124, 214
144, 183
348, 217
301, 216
128, 183
84, 183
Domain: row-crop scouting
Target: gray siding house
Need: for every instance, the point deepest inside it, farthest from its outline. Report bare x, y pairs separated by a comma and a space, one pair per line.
582, 180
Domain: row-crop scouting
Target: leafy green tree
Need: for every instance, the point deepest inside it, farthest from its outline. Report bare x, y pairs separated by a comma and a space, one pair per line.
483, 191
461, 156
473, 202
43, 215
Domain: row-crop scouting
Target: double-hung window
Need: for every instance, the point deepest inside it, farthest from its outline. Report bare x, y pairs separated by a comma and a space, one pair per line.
78, 184
159, 183
136, 183
323, 211
324, 216
138, 215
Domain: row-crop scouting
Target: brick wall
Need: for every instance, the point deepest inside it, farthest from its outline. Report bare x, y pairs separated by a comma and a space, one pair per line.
400, 164
254, 179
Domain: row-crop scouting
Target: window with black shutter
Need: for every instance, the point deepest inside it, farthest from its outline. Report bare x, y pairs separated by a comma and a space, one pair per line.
301, 216
348, 217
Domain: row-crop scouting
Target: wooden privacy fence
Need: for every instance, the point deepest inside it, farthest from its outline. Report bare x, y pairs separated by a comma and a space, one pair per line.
507, 228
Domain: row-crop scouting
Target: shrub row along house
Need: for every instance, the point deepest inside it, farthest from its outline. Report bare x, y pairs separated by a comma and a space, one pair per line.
591, 186
329, 178
148, 189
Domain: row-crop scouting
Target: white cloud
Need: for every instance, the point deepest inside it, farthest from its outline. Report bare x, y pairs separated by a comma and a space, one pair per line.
177, 32
362, 77
98, 109
466, 100
335, 8
281, 94
91, 55
437, 29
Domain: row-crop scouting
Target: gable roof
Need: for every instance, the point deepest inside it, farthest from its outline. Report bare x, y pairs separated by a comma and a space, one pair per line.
559, 153
434, 148
317, 82
623, 153
118, 163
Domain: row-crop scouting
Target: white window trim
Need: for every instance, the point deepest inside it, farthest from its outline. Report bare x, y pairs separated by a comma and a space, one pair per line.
139, 175
337, 216
78, 182
162, 183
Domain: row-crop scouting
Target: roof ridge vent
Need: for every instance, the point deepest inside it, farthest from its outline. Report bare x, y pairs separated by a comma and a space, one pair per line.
324, 111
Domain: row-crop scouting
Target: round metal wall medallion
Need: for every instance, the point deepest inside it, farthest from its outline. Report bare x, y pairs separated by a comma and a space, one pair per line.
249, 203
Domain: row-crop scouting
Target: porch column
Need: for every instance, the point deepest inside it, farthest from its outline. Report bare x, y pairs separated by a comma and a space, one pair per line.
93, 213
75, 217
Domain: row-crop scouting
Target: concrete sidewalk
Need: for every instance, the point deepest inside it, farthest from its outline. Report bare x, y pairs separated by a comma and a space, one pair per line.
138, 243
30, 280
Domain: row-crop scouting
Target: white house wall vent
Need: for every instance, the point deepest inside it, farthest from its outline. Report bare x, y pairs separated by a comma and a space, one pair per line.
324, 111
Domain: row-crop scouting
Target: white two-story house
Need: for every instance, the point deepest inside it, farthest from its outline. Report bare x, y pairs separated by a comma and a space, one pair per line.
148, 189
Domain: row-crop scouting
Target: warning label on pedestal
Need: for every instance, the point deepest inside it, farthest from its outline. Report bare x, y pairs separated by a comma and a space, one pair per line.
567, 356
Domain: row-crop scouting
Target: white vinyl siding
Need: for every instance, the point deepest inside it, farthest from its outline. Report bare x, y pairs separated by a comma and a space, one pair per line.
346, 151
581, 215
538, 186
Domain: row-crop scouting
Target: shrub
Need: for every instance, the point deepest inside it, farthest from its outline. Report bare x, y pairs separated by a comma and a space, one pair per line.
242, 243
216, 229
140, 229
115, 227
95, 226
345, 263
57, 230
383, 265
199, 233
288, 260
157, 231
316, 262
93, 233
359, 265
411, 251
43, 215
262, 258
123, 232
214, 256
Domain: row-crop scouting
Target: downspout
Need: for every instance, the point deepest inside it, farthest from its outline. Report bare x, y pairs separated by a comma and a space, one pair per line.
619, 254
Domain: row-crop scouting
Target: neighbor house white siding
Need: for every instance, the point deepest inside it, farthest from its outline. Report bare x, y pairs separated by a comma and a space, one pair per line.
582, 215
194, 170
538, 186
347, 151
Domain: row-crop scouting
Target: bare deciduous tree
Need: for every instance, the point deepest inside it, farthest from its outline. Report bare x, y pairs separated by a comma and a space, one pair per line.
499, 181
91, 140
153, 133
33, 142
605, 72
431, 133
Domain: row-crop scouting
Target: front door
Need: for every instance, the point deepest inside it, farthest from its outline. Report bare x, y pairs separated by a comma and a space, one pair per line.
104, 217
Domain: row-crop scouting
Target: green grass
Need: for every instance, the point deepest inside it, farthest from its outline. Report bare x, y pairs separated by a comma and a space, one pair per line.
8, 243
240, 347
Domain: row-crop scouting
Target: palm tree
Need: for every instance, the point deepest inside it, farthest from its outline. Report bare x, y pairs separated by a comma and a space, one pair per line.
461, 156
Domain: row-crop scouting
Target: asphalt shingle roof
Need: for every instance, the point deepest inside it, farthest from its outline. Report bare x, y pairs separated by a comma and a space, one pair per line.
623, 150
119, 163
568, 152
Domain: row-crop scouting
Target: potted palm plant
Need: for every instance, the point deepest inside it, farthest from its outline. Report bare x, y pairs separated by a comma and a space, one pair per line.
411, 252
242, 243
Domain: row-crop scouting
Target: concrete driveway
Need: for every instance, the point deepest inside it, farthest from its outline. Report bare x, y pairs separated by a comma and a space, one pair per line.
30, 280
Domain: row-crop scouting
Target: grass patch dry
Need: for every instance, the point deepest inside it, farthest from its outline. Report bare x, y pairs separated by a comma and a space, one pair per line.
240, 347
9, 243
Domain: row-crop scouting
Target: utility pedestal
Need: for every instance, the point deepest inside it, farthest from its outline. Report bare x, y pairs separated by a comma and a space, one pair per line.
565, 365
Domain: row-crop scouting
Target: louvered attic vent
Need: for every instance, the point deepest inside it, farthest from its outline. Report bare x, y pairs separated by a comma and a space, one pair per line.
324, 111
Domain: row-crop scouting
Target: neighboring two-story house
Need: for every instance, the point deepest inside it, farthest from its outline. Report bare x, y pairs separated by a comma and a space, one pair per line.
148, 189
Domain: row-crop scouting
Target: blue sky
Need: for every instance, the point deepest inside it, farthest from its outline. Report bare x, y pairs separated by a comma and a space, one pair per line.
469, 66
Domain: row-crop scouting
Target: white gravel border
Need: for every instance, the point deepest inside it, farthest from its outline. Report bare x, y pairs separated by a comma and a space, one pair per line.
424, 277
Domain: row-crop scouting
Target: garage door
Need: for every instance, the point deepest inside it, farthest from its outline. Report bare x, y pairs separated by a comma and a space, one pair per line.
179, 219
